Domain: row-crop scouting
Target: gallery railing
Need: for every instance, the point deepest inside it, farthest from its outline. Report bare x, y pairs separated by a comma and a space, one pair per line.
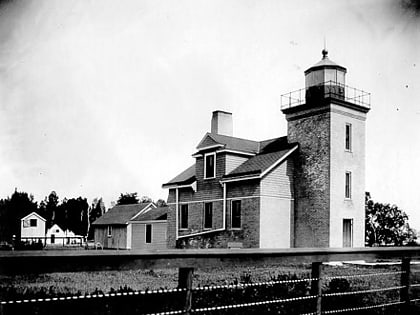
325, 90
37, 262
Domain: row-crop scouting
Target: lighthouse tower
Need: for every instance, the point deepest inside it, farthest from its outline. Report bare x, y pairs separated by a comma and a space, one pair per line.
327, 118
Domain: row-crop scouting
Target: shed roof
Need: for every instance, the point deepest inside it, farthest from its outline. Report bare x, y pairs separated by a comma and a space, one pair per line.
159, 213
121, 214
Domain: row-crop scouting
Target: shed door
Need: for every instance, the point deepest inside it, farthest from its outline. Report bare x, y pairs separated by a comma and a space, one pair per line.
348, 233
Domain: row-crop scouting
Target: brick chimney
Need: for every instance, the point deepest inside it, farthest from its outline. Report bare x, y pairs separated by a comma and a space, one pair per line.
221, 123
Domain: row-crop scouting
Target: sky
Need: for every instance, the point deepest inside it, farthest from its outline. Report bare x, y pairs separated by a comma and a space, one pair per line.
99, 98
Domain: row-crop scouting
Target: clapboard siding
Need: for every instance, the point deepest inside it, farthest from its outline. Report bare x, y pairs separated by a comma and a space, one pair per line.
279, 182
117, 240
158, 235
233, 161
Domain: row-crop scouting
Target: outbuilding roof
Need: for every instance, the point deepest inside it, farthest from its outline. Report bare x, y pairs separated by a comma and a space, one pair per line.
121, 214
159, 213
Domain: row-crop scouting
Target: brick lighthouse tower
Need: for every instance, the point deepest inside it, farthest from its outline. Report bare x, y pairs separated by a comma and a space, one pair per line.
327, 119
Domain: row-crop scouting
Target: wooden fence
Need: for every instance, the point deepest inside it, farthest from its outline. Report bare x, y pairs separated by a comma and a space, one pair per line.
186, 261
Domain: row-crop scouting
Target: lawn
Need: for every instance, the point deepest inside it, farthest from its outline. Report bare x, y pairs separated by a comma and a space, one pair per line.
81, 283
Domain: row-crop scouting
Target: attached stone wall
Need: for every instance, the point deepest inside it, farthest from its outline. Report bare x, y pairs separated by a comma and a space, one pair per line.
312, 174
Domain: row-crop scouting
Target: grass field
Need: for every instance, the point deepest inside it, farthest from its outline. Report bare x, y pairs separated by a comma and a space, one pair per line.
81, 283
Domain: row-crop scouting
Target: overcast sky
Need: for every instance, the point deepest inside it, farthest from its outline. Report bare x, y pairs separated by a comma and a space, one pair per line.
103, 97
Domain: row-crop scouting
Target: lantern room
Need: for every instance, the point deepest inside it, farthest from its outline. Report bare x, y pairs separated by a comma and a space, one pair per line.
325, 79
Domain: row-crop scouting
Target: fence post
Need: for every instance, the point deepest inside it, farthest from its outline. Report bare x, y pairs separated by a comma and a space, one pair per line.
316, 285
185, 279
405, 283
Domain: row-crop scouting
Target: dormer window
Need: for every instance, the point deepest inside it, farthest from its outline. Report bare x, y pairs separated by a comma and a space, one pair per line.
210, 165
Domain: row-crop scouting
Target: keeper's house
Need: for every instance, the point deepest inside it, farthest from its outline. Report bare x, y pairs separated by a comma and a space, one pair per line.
302, 190
136, 226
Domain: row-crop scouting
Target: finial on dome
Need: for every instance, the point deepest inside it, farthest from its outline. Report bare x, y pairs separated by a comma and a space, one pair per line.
324, 53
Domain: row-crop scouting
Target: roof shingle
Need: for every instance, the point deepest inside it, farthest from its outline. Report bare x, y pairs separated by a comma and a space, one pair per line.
159, 213
120, 214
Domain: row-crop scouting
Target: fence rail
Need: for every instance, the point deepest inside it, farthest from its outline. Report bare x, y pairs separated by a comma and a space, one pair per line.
23, 262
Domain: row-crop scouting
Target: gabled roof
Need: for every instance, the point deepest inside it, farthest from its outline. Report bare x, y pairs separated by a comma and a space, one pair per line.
258, 164
33, 214
264, 155
228, 142
186, 177
121, 214
159, 213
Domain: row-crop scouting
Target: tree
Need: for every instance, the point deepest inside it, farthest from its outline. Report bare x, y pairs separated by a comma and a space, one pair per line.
145, 199
96, 210
51, 206
128, 199
386, 225
12, 210
73, 215
161, 203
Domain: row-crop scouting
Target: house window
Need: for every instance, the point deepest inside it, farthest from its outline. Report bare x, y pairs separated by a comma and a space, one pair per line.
210, 165
109, 230
184, 217
208, 215
347, 190
148, 233
236, 214
348, 137
348, 233
33, 222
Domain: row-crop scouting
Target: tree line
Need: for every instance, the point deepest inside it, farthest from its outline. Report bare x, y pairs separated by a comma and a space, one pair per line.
385, 224
74, 214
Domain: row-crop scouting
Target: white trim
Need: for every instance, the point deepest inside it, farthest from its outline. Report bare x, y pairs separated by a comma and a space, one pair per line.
236, 152
210, 147
214, 165
201, 233
278, 161
129, 235
193, 186
145, 209
237, 179
176, 213
215, 200
33, 213
149, 221
224, 205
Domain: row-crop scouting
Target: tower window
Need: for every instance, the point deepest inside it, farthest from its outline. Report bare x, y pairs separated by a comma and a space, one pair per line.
348, 137
208, 215
210, 165
148, 233
236, 214
347, 191
347, 232
184, 217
